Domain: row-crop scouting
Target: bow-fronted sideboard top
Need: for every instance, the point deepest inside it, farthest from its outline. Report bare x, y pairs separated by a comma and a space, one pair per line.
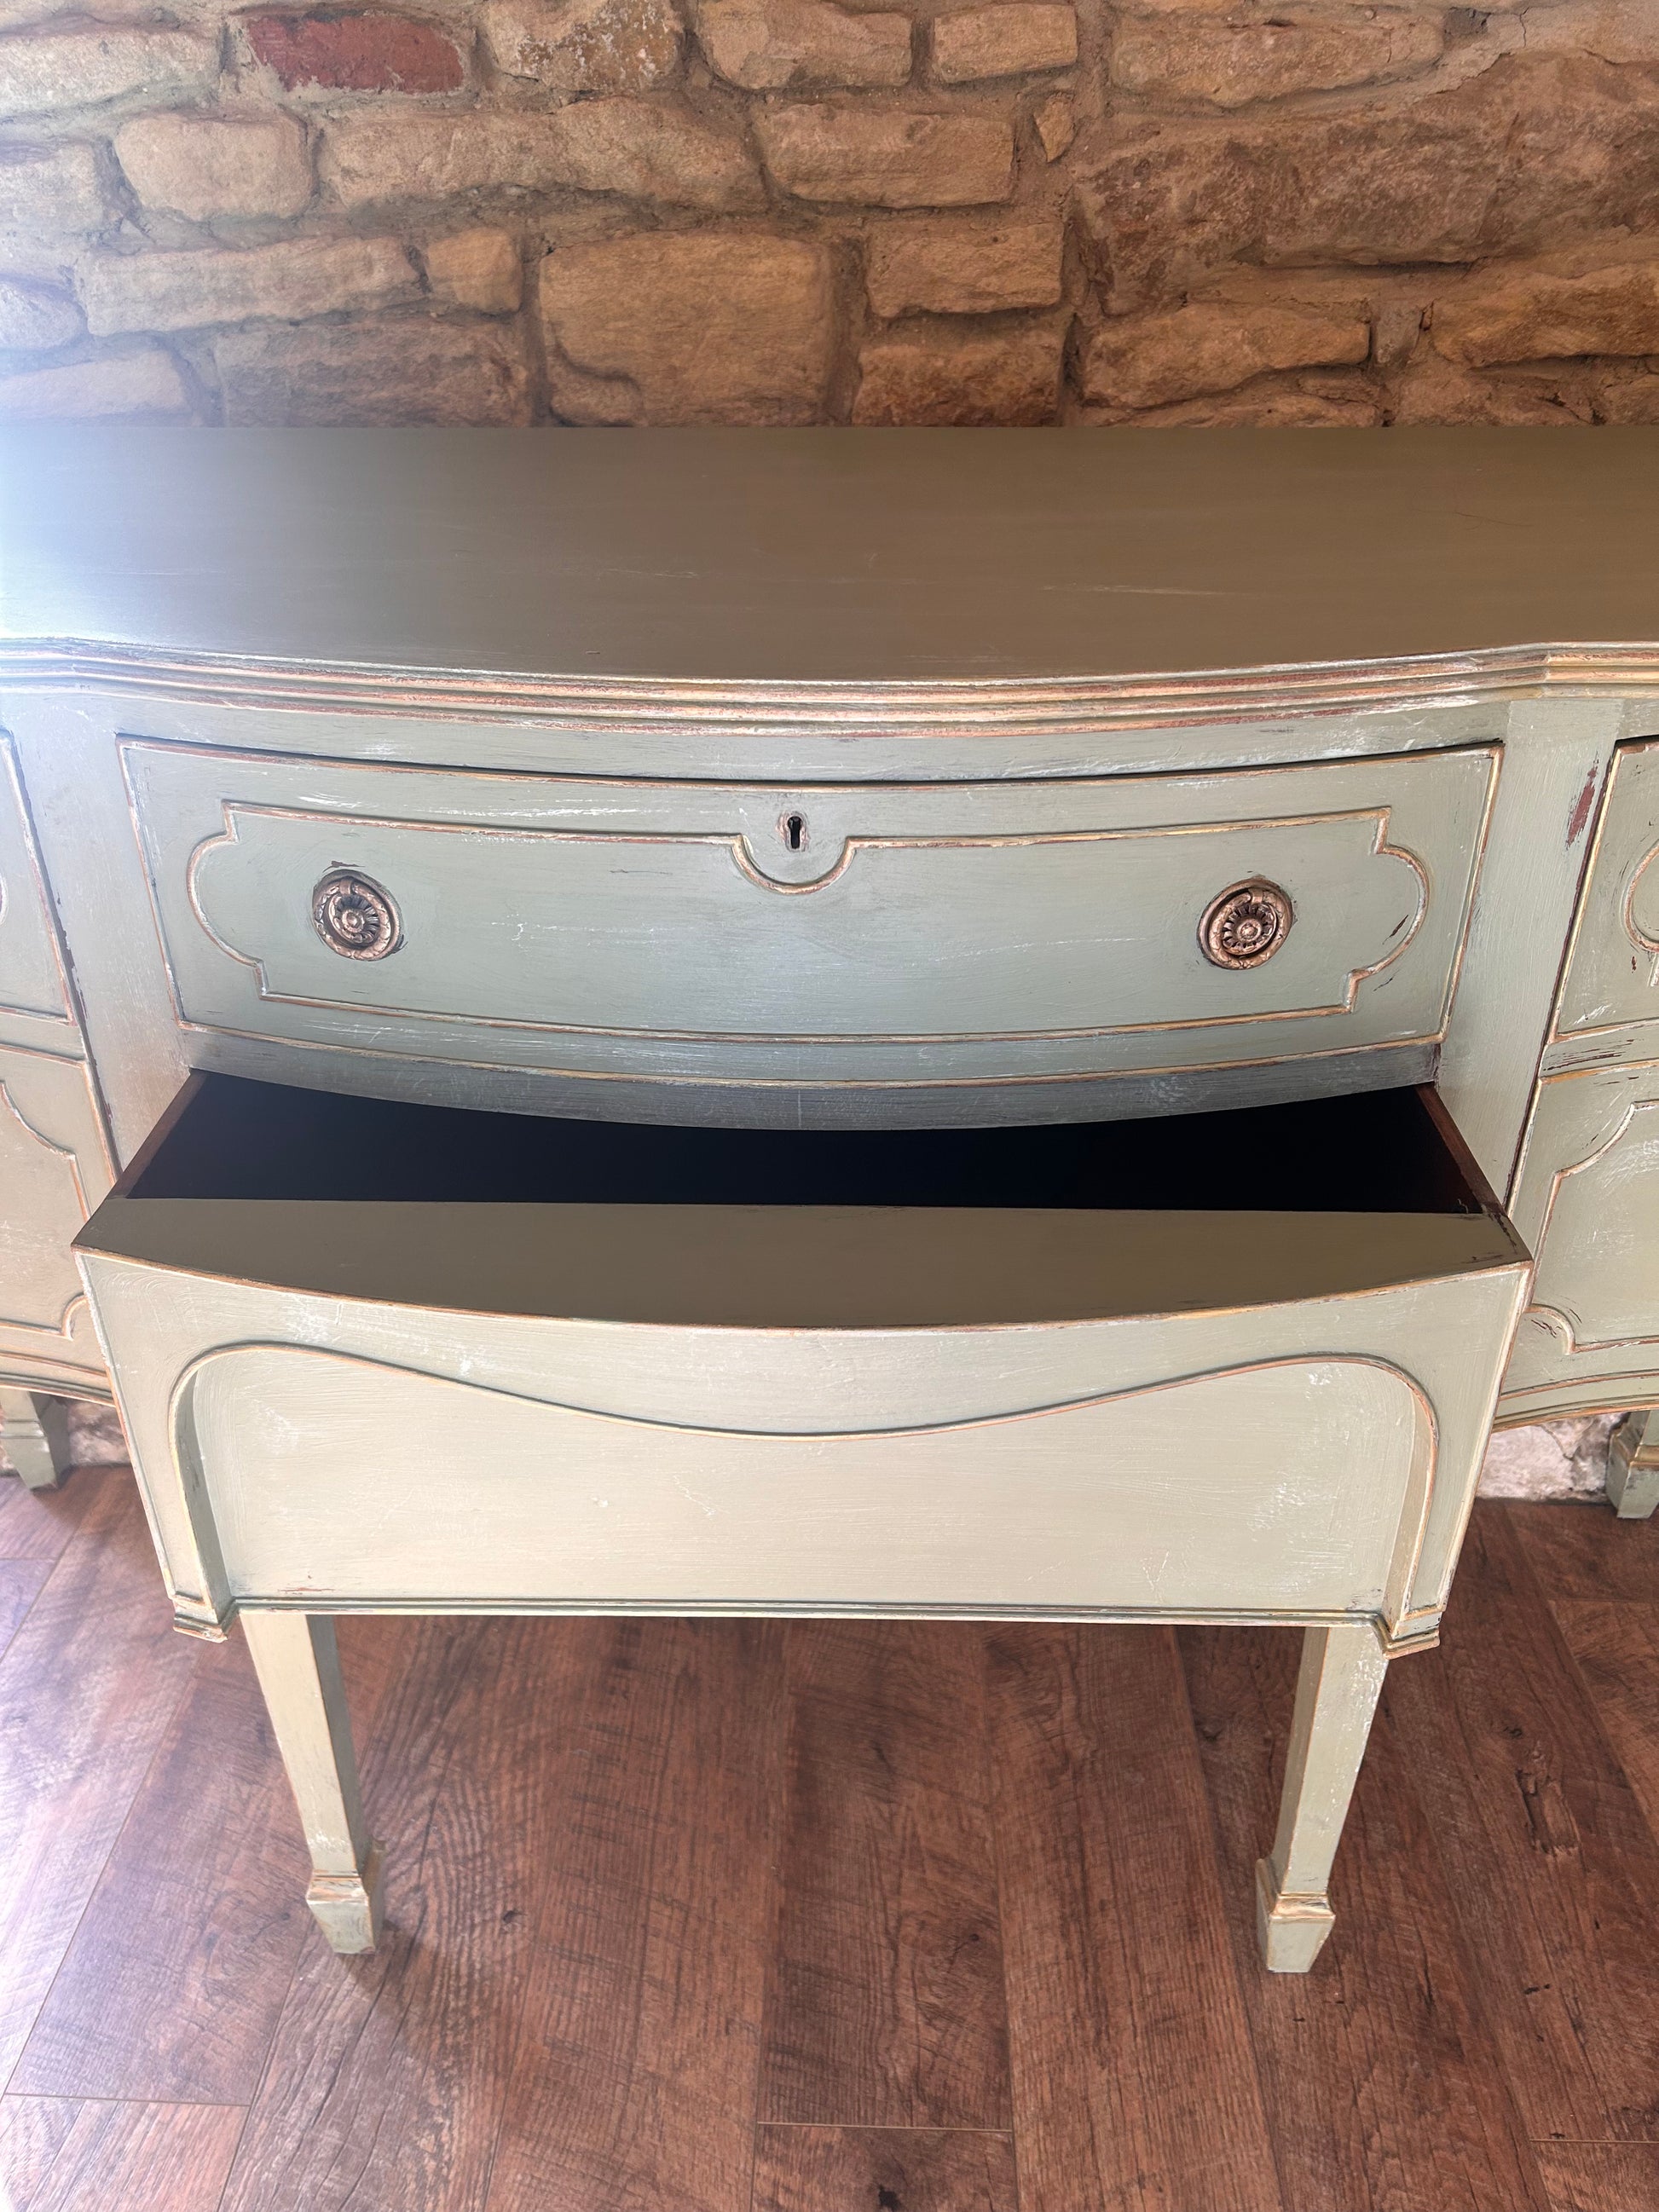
1002, 1023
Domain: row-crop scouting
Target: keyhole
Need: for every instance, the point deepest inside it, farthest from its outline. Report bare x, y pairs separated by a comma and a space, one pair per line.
794, 831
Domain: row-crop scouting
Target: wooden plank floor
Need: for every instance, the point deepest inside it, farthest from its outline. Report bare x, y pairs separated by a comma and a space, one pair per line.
828, 1918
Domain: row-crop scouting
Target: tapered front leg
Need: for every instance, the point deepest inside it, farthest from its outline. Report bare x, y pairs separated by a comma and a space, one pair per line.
298, 1663
36, 1436
1633, 1468
1336, 1694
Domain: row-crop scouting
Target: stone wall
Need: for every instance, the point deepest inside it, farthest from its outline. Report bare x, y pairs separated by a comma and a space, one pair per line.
1210, 211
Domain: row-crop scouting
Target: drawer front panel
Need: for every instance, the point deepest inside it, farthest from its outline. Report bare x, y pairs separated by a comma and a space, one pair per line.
1612, 976
53, 1170
847, 933
1311, 1457
1587, 1203
1292, 1483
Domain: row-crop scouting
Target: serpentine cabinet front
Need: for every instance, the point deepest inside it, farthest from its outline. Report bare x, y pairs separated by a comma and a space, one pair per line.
1017, 1143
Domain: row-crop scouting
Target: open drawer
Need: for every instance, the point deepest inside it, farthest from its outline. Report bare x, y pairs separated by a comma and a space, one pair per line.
375, 1356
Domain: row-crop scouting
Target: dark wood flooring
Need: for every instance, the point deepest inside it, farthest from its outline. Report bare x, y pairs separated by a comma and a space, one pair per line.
828, 1918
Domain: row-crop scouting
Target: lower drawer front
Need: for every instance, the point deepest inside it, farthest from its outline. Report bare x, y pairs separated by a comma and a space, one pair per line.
984, 1401
333, 1478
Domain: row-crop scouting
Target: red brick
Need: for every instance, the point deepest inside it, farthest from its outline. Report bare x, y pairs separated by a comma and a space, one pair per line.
357, 50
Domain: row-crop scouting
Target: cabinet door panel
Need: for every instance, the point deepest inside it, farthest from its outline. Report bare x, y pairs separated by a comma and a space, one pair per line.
32, 990
53, 1170
1612, 973
1588, 1204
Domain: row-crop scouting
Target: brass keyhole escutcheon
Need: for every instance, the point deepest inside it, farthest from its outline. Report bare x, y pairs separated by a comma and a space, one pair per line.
354, 917
793, 829
1246, 925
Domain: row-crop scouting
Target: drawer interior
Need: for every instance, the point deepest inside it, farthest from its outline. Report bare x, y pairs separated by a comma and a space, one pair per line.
1382, 1151
415, 1206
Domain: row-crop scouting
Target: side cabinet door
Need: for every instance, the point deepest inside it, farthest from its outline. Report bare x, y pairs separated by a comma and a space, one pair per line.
1588, 1204
54, 1164
1612, 979
53, 1170
1587, 1199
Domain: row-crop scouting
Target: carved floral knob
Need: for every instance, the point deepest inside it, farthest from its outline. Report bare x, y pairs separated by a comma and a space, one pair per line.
354, 917
1246, 925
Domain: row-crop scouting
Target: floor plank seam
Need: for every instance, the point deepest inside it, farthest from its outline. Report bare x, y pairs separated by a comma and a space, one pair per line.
988, 1782
1217, 1854
187, 1675
773, 1914
884, 2127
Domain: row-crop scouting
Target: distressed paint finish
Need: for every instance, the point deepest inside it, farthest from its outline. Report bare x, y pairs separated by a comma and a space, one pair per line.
34, 1004
1612, 978
298, 1662
864, 1409
53, 1168
792, 779
877, 935
34, 1430
1336, 1693
1633, 1469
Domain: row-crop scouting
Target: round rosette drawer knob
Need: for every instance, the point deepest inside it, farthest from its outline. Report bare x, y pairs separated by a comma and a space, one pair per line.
1246, 925
354, 917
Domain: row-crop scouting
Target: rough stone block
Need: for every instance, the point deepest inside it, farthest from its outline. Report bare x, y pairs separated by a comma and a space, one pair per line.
181, 14
1152, 361
919, 373
1265, 51
778, 45
649, 149
1531, 154
144, 387
584, 45
48, 71
205, 166
1633, 398
715, 326
1531, 315
1055, 121
356, 50
477, 269
1613, 30
396, 369
966, 267
1006, 39
1553, 1458
888, 156
35, 318
1396, 330
1434, 390
299, 277
50, 194
1271, 406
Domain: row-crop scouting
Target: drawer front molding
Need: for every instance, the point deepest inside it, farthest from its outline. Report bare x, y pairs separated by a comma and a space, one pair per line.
885, 935
1301, 1479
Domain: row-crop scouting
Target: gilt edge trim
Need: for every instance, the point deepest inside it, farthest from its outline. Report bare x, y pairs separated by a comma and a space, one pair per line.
987, 705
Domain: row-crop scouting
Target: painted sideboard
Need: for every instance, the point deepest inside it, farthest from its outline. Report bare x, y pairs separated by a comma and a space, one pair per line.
979, 1023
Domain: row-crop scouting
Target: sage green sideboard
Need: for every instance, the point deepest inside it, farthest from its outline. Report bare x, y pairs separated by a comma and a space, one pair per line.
871, 832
